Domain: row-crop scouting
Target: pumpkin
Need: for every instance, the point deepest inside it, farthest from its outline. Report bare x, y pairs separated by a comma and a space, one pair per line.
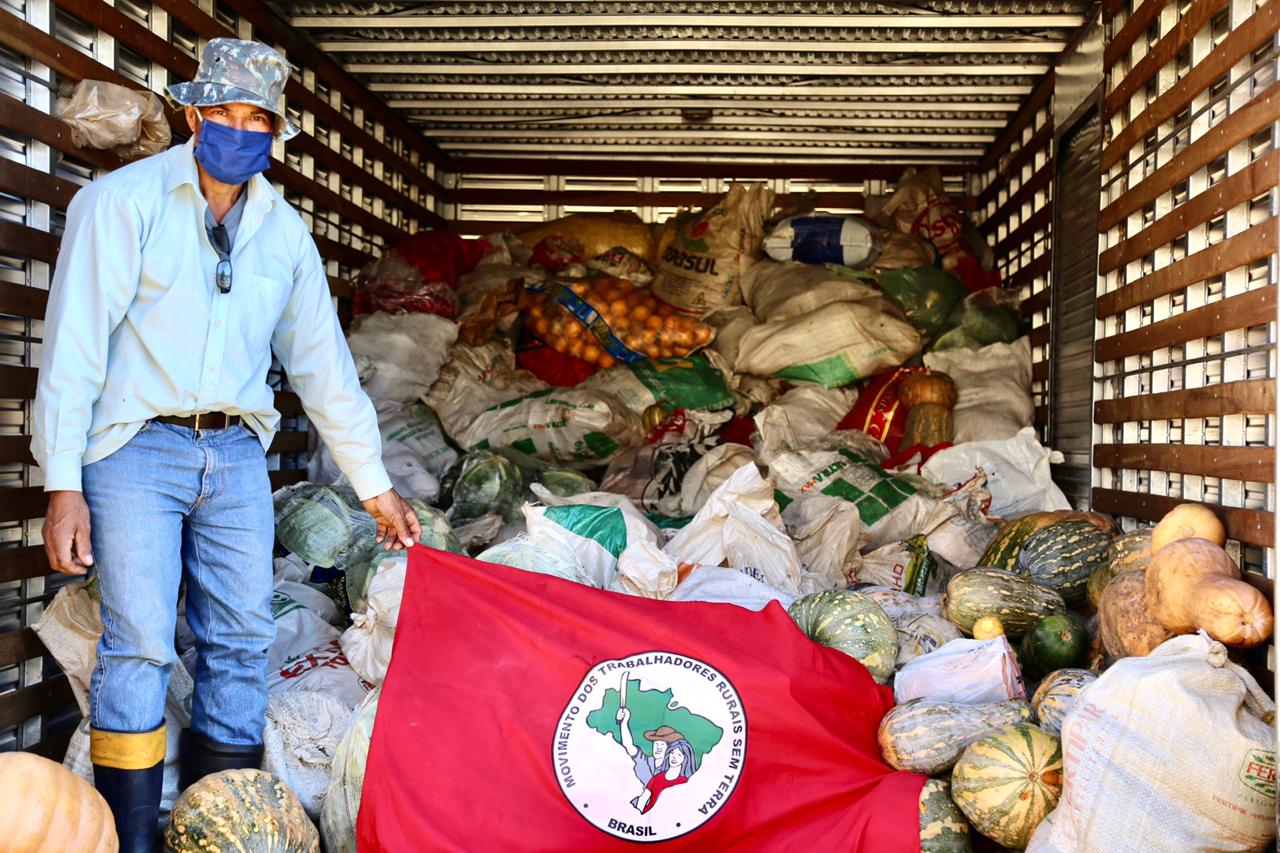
45, 808
943, 828
1055, 642
243, 810
929, 398
928, 735
1173, 574
988, 628
1062, 556
1232, 612
1188, 521
1007, 782
1128, 553
1125, 622
1057, 695
852, 623
342, 801
920, 634
1015, 601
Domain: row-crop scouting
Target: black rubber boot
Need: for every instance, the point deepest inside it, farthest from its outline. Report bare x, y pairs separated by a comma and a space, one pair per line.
198, 756
134, 799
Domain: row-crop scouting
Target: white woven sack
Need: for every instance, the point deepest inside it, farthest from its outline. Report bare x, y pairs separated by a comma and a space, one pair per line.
300, 740
1172, 751
367, 643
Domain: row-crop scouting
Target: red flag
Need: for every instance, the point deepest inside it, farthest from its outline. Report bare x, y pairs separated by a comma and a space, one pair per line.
523, 712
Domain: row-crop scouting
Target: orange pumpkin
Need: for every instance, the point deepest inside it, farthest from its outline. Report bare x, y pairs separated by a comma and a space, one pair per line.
45, 808
1173, 575
929, 398
1232, 612
1125, 623
1188, 521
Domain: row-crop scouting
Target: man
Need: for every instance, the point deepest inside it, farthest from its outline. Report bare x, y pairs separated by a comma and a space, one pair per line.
178, 277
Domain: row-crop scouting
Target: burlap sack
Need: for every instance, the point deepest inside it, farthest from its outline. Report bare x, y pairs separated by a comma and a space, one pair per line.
1173, 751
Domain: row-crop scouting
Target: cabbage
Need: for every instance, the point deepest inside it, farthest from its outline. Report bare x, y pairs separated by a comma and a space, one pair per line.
522, 553
483, 482
564, 483
320, 523
360, 562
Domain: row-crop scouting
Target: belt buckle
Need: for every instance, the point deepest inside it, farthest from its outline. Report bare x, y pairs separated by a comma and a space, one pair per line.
196, 425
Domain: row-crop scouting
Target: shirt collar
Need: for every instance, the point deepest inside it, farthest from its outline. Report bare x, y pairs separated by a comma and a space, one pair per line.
182, 171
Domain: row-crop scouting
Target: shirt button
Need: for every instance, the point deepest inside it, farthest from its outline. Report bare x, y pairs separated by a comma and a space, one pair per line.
217, 323
213, 370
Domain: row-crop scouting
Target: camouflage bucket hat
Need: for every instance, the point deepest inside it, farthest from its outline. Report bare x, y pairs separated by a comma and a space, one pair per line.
234, 71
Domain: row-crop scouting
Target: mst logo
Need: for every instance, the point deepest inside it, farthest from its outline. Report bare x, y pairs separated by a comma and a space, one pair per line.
651, 746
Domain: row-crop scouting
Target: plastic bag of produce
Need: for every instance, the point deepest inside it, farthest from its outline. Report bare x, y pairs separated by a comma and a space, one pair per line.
958, 528
927, 295
593, 535
1017, 469
904, 250
709, 473
973, 671
393, 285
299, 741
1172, 751
598, 233
702, 266
342, 801
729, 586
994, 389
646, 570
828, 534
474, 379
606, 321
108, 116
571, 427
678, 383
297, 628
730, 324
920, 207
800, 417
521, 552
825, 239
898, 604
414, 451
777, 291
620, 262
833, 346
907, 566
320, 523
987, 317
920, 634
489, 300
359, 564
398, 357
367, 643
69, 628
653, 474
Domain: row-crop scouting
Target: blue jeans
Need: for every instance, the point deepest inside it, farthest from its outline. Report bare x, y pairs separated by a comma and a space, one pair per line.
174, 504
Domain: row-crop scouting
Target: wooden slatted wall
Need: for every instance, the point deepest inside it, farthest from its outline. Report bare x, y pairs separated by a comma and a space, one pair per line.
359, 175
1014, 211
1185, 405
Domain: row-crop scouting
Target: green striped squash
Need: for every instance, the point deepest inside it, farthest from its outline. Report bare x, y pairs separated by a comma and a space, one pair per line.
1007, 782
247, 811
927, 735
943, 828
1057, 695
1055, 642
1016, 601
1128, 553
1062, 556
1002, 550
851, 622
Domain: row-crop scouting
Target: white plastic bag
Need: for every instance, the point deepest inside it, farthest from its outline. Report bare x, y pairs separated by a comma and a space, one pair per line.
591, 529
907, 566
1017, 469
709, 474
800, 417
568, 426
901, 605
414, 450
299, 742
367, 643
1172, 751
298, 628
730, 325
475, 379
729, 586
958, 527
521, 552
399, 356
653, 474
994, 389
828, 535
972, 671
645, 570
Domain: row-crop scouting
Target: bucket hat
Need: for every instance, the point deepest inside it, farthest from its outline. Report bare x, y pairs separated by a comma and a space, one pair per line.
235, 71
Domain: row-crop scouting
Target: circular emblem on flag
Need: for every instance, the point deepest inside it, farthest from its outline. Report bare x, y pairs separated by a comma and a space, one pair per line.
650, 747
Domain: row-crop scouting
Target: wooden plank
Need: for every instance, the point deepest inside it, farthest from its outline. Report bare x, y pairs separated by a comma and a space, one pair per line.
348, 256
326, 198
17, 383
280, 479
1244, 248
25, 242
1252, 308
1247, 396
1036, 302
22, 563
16, 448
22, 504
22, 300
1111, 8
1041, 220
1021, 196
289, 442
20, 180
54, 747
635, 198
18, 646
1033, 146
1037, 99
1262, 111
42, 127
1258, 29
621, 168
1041, 266
40, 698
1040, 371
1253, 464
1244, 525
1042, 416
1161, 54
1256, 179
1040, 336
289, 403
339, 287
1138, 23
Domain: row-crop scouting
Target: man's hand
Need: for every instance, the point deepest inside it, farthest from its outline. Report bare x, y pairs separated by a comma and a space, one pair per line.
398, 526
66, 533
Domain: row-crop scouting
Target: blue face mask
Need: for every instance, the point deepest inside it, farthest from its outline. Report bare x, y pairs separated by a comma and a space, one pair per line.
232, 156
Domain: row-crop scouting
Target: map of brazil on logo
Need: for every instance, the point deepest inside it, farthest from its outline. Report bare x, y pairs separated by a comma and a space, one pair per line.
650, 747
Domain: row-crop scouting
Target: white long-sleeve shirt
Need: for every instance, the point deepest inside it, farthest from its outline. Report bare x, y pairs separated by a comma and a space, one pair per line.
136, 327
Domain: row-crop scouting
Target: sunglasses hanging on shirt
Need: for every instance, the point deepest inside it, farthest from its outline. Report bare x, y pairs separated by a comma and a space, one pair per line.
222, 245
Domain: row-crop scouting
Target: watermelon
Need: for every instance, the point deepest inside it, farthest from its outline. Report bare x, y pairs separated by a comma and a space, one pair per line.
1062, 556
1057, 695
1016, 601
1055, 642
1007, 782
928, 735
943, 828
240, 810
852, 623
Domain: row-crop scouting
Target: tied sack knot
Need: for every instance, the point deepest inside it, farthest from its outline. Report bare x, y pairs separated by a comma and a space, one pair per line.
1216, 654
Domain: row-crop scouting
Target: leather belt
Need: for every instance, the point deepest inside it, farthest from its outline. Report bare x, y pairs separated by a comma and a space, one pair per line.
204, 420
